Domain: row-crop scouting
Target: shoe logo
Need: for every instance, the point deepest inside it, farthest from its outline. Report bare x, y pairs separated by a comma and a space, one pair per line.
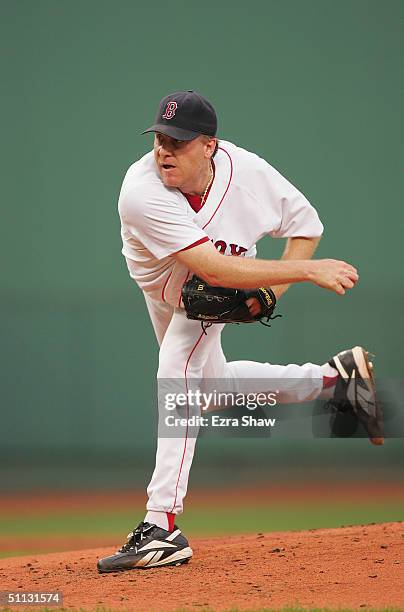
147, 559
156, 545
341, 370
366, 400
173, 535
360, 395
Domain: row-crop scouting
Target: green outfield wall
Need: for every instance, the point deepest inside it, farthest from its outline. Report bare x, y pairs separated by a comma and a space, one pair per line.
313, 86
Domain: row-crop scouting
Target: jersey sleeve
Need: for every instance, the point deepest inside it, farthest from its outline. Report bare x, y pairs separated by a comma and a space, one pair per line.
299, 218
296, 217
158, 223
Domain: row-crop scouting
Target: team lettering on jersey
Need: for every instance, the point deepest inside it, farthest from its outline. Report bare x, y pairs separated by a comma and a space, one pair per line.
234, 249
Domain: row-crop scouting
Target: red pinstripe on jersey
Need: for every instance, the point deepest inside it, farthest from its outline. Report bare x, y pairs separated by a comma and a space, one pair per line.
227, 188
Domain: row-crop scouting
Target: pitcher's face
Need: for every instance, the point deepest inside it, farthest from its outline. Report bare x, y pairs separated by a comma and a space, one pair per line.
181, 163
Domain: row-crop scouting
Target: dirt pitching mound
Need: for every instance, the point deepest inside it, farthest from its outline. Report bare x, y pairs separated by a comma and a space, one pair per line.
352, 567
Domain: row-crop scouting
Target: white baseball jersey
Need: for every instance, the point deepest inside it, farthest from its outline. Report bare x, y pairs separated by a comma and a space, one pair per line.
248, 199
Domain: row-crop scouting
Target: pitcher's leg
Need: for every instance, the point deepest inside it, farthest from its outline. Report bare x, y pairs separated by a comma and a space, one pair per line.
160, 315
183, 354
295, 383
292, 383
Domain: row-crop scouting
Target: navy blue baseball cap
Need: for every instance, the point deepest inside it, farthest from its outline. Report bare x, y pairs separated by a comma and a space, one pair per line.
184, 115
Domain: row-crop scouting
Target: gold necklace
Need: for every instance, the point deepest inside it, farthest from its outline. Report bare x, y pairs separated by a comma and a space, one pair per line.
207, 186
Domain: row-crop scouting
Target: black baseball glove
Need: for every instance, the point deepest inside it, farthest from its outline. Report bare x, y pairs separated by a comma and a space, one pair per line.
209, 304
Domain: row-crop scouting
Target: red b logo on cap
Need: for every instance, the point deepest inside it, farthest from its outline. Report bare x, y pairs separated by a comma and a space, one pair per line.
170, 110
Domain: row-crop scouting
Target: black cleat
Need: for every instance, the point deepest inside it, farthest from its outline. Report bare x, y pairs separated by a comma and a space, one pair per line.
148, 546
355, 391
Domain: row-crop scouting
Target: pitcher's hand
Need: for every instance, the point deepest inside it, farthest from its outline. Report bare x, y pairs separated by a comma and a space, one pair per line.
333, 274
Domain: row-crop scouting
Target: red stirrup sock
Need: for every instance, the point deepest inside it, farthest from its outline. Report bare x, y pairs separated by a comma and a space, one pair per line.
165, 520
